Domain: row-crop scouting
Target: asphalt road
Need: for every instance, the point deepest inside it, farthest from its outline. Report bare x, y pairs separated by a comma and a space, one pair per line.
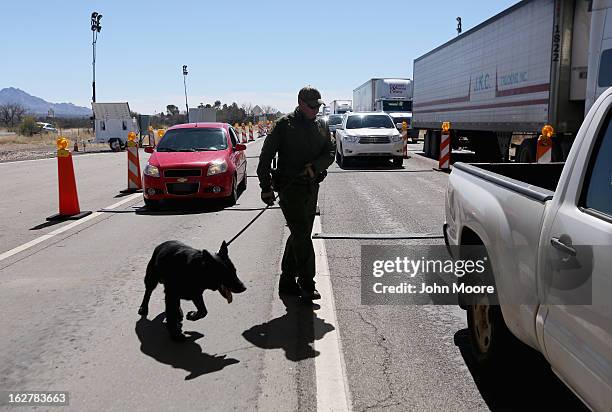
69, 303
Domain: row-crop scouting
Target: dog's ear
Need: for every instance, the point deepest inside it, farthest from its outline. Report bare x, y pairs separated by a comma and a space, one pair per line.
223, 249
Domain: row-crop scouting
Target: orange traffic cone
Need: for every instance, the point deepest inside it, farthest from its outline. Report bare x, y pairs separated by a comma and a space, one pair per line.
68, 197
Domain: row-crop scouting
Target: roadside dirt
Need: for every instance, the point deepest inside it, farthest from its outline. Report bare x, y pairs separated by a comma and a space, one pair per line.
14, 147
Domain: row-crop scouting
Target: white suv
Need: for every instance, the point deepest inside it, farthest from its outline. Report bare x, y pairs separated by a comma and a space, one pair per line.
369, 134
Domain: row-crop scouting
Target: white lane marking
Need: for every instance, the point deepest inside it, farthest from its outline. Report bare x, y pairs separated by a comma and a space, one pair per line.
332, 386
63, 229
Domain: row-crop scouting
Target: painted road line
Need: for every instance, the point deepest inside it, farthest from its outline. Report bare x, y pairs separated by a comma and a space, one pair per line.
332, 386
63, 229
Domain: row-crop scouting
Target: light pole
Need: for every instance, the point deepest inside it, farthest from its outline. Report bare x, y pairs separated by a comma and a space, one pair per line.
185, 84
95, 28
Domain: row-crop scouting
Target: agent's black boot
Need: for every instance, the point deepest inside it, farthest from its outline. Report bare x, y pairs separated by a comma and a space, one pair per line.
288, 286
308, 291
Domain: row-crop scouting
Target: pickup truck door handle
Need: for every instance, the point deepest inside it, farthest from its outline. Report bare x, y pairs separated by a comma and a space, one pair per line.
559, 245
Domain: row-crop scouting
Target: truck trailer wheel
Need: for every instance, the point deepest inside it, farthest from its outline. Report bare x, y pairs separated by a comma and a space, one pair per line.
527, 151
115, 145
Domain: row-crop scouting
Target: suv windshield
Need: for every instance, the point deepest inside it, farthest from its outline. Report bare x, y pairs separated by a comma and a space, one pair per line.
364, 121
335, 119
193, 140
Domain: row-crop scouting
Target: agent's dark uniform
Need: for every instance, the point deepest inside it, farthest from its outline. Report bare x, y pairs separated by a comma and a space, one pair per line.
298, 141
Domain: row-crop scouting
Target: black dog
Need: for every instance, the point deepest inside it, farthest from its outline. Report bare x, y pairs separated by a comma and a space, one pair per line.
185, 273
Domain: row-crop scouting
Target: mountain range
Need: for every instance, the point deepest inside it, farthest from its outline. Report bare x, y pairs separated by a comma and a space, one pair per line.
38, 106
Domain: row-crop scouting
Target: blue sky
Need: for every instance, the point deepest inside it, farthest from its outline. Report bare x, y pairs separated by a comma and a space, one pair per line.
244, 51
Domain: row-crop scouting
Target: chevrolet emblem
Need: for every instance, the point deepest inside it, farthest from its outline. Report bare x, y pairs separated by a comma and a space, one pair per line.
181, 179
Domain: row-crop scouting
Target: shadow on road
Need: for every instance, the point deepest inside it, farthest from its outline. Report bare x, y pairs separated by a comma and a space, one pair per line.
294, 332
183, 207
188, 355
526, 383
466, 157
373, 164
46, 224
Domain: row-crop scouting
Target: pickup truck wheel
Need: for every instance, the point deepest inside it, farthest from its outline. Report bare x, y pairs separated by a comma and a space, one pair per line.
490, 338
398, 161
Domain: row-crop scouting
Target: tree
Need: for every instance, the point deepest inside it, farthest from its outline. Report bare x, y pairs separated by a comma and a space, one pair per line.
172, 110
247, 108
267, 109
28, 127
11, 114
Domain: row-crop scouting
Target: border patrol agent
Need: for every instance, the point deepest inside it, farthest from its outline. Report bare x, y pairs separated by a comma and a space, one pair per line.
305, 150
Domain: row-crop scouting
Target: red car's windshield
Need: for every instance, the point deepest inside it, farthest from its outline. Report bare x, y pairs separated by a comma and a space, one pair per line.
193, 140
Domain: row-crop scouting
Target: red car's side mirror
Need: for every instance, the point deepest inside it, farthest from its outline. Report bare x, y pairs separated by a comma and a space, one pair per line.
240, 147
149, 149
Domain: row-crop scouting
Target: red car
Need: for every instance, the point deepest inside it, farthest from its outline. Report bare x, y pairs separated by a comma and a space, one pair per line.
195, 160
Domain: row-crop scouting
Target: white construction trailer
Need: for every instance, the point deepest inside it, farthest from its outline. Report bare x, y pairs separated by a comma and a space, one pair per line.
202, 114
113, 122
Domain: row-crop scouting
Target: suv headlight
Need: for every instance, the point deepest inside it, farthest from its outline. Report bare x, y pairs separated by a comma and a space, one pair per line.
216, 168
151, 171
351, 139
396, 138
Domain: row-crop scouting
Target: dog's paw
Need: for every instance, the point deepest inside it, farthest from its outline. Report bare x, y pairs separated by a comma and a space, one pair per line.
194, 315
142, 311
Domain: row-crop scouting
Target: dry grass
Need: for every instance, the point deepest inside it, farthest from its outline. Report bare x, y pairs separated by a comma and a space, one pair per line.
45, 139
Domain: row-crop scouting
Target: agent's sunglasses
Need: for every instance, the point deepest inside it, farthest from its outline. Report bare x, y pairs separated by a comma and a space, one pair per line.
312, 106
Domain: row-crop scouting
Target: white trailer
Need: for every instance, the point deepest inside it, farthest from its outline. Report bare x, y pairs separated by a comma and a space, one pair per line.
113, 122
340, 106
387, 95
202, 114
506, 78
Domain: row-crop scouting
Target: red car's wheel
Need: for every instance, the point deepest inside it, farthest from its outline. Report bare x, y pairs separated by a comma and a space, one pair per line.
233, 197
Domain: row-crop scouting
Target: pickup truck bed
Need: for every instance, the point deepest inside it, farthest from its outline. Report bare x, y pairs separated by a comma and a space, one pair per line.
537, 181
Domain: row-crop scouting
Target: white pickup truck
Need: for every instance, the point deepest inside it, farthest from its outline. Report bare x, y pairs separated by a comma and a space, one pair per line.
544, 225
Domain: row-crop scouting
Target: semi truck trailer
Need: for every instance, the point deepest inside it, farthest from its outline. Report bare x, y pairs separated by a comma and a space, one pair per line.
340, 106
386, 95
539, 62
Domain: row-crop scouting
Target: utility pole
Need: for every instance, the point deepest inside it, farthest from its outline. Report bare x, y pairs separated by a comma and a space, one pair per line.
185, 84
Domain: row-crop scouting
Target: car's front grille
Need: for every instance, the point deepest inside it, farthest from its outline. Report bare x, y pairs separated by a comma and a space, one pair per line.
182, 172
374, 139
182, 189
